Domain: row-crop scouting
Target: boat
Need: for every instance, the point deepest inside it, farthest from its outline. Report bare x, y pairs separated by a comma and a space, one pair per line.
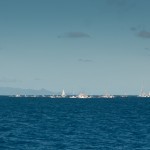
107, 95
144, 94
63, 94
82, 95
73, 96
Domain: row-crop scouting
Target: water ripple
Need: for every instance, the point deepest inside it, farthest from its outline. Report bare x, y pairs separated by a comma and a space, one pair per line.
47, 124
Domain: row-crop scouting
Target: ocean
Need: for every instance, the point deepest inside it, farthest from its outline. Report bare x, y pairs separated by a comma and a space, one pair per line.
73, 124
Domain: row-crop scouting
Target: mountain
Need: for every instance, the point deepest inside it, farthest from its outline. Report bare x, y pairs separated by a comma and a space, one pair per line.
20, 91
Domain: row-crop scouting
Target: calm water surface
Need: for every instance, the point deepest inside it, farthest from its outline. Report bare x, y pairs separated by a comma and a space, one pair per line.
69, 124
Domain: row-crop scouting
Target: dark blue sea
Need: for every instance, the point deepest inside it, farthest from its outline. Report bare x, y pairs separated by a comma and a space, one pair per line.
73, 124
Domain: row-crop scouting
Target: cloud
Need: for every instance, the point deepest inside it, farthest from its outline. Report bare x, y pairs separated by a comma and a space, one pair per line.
144, 34
133, 28
85, 60
148, 49
122, 5
7, 80
74, 35
139, 31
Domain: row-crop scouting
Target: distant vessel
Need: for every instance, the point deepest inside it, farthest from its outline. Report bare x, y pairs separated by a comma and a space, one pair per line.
107, 95
73, 96
63, 94
52, 96
82, 95
143, 94
17, 95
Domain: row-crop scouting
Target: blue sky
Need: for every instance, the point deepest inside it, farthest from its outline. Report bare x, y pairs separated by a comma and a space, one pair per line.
91, 46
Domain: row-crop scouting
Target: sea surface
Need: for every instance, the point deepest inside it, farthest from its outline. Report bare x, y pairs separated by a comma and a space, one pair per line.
73, 124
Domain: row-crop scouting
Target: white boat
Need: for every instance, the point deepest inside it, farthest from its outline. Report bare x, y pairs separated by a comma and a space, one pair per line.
63, 94
107, 95
52, 96
17, 95
143, 94
73, 96
82, 95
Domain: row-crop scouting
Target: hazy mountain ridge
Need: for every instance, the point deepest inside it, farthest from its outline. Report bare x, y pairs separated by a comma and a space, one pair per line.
21, 91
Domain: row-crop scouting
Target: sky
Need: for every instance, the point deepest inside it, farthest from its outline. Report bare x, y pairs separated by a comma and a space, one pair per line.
91, 46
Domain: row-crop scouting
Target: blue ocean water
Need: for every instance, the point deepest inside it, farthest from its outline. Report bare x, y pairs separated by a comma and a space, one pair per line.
71, 124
